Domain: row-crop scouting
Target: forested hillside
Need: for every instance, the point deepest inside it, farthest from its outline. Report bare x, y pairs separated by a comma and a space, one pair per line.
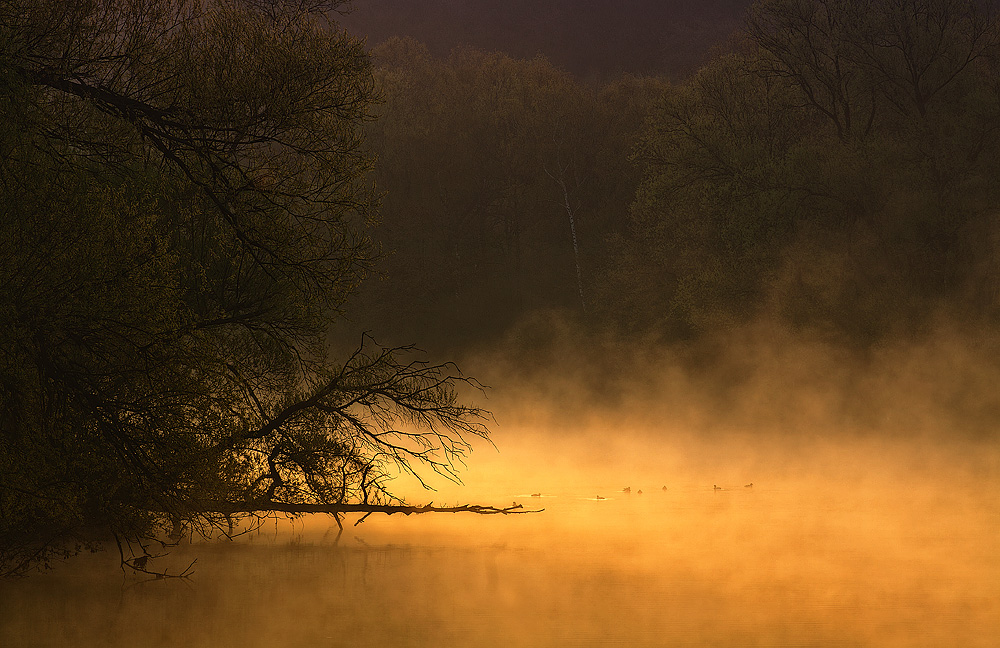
834, 171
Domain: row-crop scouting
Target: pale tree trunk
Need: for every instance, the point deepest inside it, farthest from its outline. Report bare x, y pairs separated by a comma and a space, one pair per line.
566, 204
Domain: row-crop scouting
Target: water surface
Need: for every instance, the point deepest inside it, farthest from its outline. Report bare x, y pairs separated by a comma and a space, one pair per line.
823, 560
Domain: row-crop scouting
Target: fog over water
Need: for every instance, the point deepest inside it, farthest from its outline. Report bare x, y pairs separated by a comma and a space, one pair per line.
847, 537
741, 339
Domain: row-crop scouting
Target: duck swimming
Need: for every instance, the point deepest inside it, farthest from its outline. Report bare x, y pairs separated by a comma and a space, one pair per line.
716, 487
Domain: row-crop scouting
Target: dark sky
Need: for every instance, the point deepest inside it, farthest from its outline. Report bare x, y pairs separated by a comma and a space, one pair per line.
591, 38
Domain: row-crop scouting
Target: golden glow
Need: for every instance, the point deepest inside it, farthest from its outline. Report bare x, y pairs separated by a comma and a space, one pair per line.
859, 543
877, 536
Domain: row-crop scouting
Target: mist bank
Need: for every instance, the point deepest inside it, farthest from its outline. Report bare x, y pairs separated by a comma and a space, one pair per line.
792, 566
764, 380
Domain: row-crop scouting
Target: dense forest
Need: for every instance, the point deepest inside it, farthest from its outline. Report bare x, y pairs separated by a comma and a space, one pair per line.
204, 204
503, 179
834, 170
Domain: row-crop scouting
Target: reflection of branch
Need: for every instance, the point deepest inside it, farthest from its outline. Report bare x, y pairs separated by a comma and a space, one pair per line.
185, 573
139, 564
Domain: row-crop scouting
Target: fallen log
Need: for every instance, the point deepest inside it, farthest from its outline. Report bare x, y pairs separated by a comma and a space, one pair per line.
229, 508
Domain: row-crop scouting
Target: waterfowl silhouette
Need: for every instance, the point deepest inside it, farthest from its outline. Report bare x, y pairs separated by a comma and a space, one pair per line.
640, 492
750, 485
716, 487
536, 494
599, 497
664, 489
627, 489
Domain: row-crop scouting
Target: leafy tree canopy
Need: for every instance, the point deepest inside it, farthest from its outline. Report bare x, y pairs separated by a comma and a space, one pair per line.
183, 207
836, 171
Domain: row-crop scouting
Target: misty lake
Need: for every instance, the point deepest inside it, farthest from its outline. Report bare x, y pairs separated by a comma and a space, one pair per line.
904, 556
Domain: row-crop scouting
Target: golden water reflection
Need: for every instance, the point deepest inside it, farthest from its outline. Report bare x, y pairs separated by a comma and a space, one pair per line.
798, 561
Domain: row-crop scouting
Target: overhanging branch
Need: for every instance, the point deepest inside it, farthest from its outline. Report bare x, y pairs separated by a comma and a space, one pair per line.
228, 508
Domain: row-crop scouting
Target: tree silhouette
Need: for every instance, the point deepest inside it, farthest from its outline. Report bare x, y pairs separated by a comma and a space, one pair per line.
183, 211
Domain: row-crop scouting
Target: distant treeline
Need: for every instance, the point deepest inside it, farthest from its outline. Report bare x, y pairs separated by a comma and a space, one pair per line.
592, 39
836, 171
